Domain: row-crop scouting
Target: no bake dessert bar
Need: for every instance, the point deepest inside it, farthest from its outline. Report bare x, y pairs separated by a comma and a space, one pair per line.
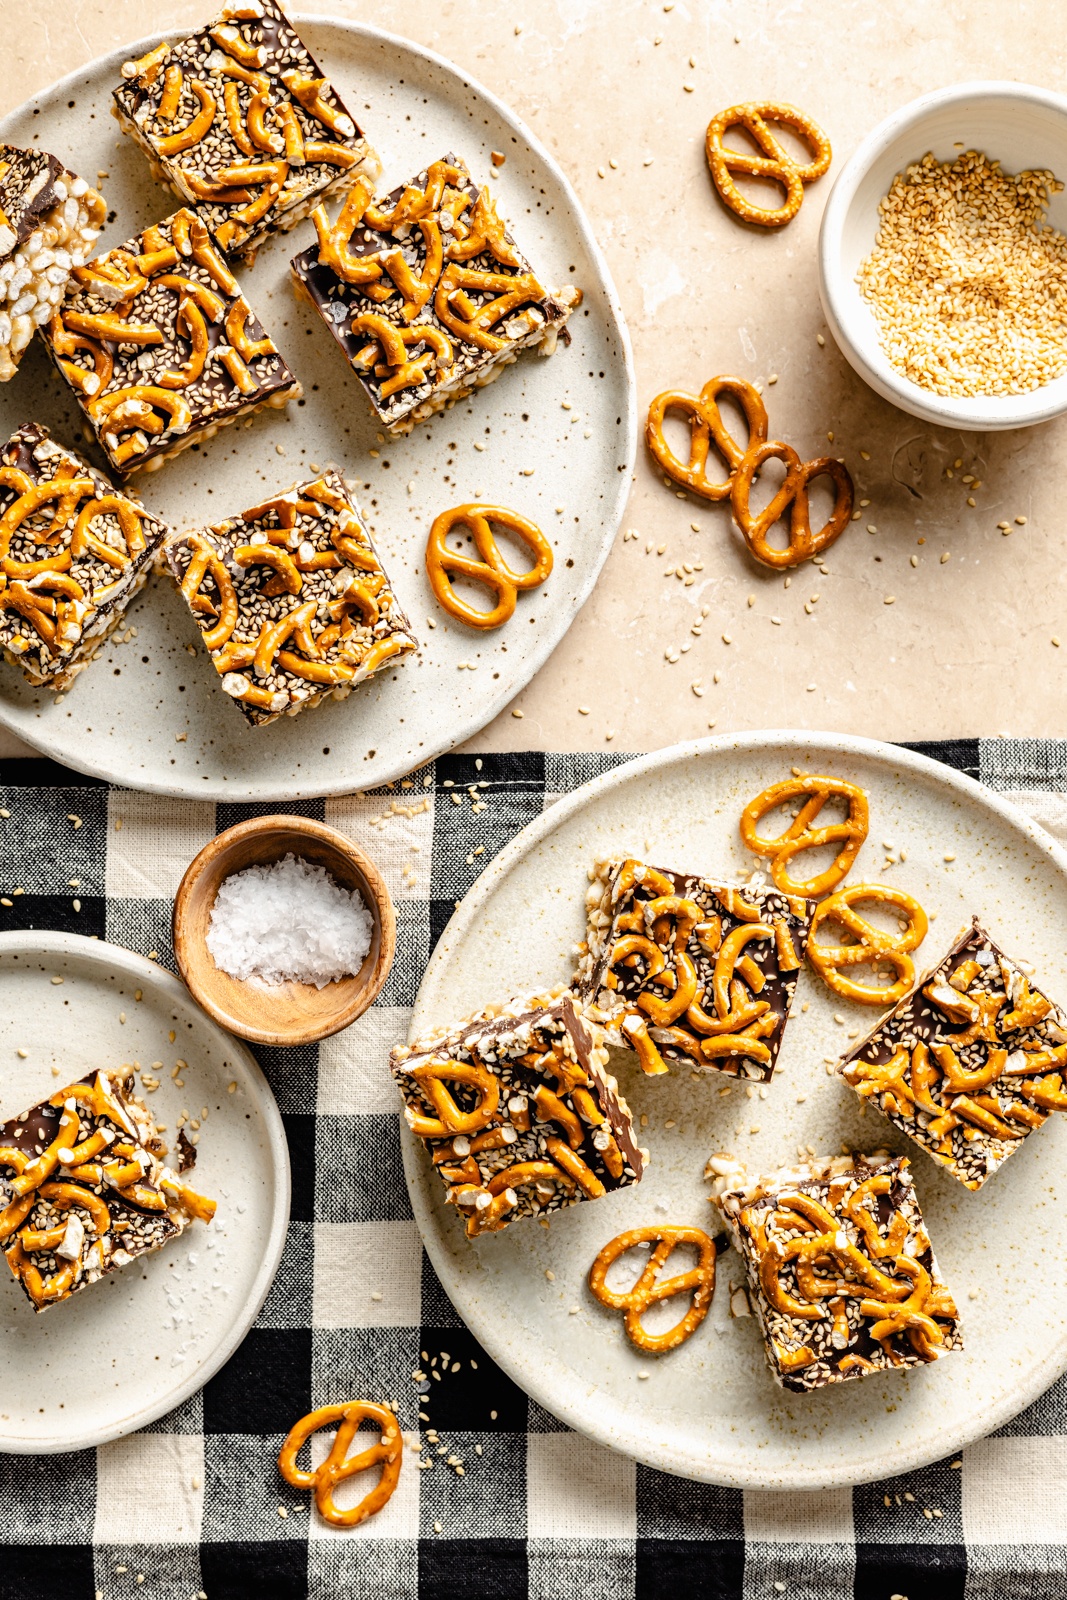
681, 969
518, 1112
160, 346
73, 553
240, 122
84, 1188
968, 1063
426, 292
291, 599
840, 1268
49, 221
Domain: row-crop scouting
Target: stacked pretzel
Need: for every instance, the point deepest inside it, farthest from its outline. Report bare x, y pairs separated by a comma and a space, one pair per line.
742, 468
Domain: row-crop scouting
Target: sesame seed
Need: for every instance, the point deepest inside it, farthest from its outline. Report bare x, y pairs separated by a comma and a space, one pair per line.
1020, 522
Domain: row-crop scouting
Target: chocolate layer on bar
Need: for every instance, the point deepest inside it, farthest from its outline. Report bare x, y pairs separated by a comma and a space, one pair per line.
682, 969
968, 1063
49, 221
840, 1268
291, 599
161, 348
239, 120
426, 292
73, 553
518, 1111
84, 1188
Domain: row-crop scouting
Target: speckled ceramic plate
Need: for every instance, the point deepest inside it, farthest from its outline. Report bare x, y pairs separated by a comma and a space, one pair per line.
131, 1347
710, 1410
124, 716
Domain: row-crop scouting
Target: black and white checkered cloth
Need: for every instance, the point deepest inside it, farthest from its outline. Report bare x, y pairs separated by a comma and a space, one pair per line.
191, 1505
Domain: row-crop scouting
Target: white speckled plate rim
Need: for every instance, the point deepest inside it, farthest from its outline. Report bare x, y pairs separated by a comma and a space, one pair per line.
43, 942
499, 1326
70, 746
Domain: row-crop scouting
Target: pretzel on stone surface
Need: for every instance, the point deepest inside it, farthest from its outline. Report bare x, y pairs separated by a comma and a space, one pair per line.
699, 1281
492, 570
706, 427
872, 946
338, 1465
792, 496
800, 835
775, 163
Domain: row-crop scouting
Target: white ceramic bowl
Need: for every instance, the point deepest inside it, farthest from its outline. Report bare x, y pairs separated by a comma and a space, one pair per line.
1016, 124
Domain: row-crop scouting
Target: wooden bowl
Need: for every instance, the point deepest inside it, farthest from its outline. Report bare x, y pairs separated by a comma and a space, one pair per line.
287, 1013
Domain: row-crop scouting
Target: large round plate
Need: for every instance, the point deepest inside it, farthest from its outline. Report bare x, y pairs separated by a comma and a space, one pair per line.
122, 717
124, 1351
710, 1409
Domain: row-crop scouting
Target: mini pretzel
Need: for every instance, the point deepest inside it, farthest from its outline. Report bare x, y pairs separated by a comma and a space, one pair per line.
776, 163
872, 944
793, 492
431, 1078
705, 426
471, 323
185, 138
492, 570
309, 93
699, 1281
485, 231
339, 1465
800, 835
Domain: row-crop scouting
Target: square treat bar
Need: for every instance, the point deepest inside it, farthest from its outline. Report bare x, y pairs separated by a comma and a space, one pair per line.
969, 1062
240, 122
840, 1267
161, 347
84, 1188
680, 969
49, 221
426, 292
518, 1111
292, 600
73, 553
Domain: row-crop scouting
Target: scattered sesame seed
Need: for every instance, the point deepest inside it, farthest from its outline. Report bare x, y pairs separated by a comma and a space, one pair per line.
1020, 522
950, 855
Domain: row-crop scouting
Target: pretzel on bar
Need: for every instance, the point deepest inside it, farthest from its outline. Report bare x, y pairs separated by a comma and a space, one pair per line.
756, 117
813, 791
869, 945
706, 427
238, 117
492, 570
339, 1465
650, 1288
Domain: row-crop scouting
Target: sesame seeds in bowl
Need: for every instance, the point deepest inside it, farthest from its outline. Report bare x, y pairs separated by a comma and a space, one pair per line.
942, 257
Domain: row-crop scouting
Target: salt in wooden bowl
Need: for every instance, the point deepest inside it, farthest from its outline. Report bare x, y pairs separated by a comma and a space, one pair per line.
287, 1013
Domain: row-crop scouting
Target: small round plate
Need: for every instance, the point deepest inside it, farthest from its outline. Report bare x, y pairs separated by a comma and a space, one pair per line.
710, 1409
125, 1350
148, 714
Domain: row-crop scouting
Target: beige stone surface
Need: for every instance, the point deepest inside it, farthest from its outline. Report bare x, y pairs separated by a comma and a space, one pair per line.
966, 646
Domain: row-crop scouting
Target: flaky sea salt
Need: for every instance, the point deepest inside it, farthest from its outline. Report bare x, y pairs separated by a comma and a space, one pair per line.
287, 921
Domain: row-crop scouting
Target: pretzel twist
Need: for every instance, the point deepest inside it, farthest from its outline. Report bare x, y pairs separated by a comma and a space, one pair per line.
339, 1465
706, 427
431, 1078
792, 493
872, 945
649, 1289
492, 570
775, 163
800, 835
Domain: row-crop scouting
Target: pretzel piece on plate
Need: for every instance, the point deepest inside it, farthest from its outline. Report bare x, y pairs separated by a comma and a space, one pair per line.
690, 972
239, 120
840, 1268
84, 1188
813, 792
291, 600
425, 292
518, 1112
969, 1062
651, 1288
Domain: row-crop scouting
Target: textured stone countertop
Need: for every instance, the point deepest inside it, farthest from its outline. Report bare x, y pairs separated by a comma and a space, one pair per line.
966, 646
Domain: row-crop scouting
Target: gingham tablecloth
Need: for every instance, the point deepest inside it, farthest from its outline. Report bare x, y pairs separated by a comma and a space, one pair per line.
192, 1505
